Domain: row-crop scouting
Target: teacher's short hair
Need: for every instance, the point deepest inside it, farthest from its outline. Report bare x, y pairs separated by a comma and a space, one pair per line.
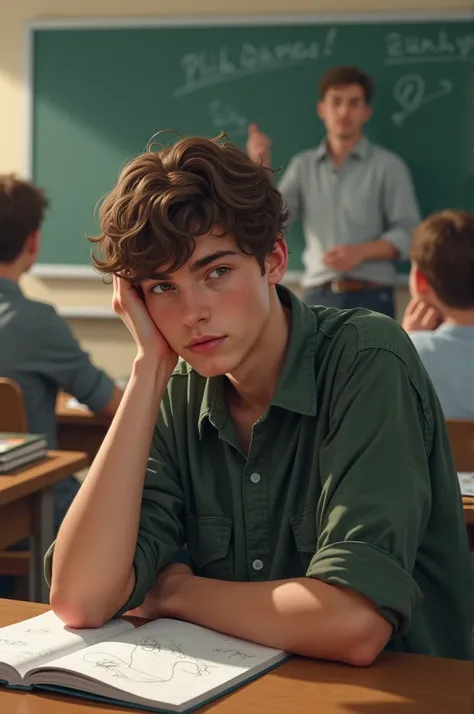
344, 77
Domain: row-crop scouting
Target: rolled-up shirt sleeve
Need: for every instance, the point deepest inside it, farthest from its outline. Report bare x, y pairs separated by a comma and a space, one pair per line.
401, 210
290, 188
376, 496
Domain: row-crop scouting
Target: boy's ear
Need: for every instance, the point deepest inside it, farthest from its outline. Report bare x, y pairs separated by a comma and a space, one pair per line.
422, 285
32, 243
276, 262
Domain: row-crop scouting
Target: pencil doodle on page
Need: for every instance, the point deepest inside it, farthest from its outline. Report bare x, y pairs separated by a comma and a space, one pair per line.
410, 93
173, 661
38, 631
13, 643
235, 653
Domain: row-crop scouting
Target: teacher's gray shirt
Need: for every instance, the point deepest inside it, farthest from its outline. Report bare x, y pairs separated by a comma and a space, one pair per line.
39, 351
370, 197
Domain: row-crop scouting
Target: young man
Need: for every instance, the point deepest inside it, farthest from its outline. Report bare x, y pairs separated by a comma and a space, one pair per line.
356, 200
300, 453
440, 316
37, 348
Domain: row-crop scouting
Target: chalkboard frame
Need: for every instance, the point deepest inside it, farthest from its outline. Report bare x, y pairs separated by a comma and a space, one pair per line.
32, 28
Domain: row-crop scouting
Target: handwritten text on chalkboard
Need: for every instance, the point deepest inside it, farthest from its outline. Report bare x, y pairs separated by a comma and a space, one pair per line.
415, 48
209, 68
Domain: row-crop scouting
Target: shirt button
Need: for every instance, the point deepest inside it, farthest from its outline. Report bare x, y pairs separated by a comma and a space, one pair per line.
255, 478
257, 564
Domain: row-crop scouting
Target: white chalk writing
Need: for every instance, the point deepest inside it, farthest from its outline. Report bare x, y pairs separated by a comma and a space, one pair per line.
212, 67
226, 118
410, 93
440, 47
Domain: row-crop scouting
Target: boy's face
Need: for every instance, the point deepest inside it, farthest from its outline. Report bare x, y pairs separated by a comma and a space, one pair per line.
344, 111
214, 309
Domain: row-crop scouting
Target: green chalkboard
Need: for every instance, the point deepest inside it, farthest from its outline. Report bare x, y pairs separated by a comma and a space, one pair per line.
100, 93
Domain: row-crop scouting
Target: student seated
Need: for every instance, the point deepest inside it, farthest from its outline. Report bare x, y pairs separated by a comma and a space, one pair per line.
299, 452
37, 348
440, 316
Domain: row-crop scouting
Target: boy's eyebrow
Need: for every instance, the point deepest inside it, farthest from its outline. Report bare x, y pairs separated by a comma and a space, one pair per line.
198, 264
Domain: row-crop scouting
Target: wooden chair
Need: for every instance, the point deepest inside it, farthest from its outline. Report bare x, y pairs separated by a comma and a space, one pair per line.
13, 419
461, 436
12, 407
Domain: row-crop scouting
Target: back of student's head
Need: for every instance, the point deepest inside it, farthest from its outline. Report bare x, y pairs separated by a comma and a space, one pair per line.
22, 208
165, 199
443, 251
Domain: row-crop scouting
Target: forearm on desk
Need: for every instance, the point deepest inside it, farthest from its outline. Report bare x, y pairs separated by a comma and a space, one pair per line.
303, 616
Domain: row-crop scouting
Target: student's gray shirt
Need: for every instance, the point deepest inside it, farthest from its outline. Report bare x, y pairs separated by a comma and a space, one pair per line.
39, 351
370, 197
448, 356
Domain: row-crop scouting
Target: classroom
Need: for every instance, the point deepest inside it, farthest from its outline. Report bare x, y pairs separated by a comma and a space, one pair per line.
300, 469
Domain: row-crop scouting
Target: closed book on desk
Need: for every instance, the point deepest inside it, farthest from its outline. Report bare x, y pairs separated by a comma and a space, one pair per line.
163, 665
19, 449
466, 482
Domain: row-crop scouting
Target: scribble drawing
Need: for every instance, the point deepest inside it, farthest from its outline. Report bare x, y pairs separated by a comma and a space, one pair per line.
163, 645
173, 661
13, 643
410, 93
235, 653
39, 631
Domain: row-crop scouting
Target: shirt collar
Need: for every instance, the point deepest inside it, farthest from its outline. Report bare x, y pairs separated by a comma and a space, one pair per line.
361, 150
296, 387
461, 331
10, 287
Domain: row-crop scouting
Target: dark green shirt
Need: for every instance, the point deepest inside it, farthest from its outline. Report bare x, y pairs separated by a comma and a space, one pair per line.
349, 479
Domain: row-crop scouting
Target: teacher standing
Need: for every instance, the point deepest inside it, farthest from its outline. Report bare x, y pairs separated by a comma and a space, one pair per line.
356, 200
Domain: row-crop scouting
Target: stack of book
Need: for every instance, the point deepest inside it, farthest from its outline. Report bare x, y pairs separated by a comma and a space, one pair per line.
466, 481
20, 449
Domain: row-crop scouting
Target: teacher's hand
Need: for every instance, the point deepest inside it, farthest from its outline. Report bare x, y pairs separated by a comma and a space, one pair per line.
344, 257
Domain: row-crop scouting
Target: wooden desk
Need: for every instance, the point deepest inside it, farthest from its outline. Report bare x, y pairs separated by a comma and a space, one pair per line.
395, 684
26, 509
80, 429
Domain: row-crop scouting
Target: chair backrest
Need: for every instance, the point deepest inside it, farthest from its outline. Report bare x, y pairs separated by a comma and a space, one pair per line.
461, 436
12, 407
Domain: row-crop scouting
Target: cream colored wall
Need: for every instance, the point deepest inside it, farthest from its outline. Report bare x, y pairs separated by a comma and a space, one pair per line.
107, 339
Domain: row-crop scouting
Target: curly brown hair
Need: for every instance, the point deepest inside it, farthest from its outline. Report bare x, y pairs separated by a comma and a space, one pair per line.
165, 199
22, 209
443, 251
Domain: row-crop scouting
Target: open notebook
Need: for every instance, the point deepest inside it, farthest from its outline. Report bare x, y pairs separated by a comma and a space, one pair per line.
164, 665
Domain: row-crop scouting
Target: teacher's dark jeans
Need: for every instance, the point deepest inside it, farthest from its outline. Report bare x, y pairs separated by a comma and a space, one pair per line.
375, 299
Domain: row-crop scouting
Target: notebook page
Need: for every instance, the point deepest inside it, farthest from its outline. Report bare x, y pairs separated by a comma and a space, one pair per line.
168, 661
466, 481
32, 642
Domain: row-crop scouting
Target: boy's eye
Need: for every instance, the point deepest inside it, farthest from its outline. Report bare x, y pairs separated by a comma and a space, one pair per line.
218, 272
161, 288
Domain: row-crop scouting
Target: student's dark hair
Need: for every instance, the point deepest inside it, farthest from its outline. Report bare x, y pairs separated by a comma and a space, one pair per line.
443, 250
344, 77
165, 199
22, 208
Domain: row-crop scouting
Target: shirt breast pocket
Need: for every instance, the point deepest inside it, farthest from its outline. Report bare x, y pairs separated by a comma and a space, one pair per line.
209, 545
304, 530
